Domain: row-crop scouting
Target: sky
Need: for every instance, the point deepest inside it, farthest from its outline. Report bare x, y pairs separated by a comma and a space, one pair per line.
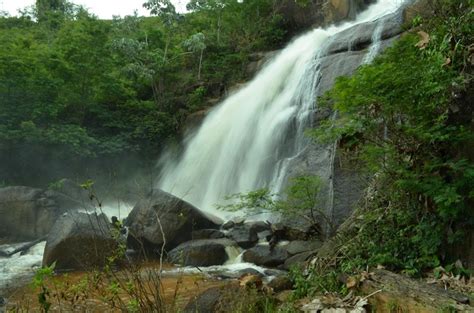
105, 9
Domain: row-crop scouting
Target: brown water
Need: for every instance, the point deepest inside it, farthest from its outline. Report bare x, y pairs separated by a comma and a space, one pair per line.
96, 292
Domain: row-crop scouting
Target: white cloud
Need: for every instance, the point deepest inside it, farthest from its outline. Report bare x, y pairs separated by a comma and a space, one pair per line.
103, 8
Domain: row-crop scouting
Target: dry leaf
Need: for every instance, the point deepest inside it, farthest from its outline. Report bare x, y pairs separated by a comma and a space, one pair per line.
249, 280
424, 40
352, 282
313, 307
447, 62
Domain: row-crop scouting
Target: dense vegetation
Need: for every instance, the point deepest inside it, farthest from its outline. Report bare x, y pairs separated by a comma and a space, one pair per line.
77, 92
407, 119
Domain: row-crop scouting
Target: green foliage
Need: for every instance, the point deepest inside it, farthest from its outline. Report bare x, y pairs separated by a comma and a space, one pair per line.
196, 98
92, 89
396, 117
299, 199
39, 281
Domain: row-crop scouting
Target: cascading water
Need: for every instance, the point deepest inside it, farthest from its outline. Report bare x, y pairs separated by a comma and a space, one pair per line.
376, 43
245, 143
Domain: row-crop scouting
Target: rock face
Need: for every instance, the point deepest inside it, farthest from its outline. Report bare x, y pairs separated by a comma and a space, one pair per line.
298, 17
79, 241
177, 218
206, 252
29, 213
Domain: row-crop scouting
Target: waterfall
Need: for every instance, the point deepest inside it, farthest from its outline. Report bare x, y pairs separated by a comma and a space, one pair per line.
247, 141
376, 43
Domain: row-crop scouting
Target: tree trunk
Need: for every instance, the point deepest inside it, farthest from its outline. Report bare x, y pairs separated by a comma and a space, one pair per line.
200, 64
218, 28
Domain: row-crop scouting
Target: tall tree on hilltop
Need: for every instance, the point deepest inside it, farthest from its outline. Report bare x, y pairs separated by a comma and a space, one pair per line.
44, 8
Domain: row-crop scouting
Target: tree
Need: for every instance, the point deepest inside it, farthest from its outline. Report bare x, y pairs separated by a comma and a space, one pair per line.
166, 11
47, 10
214, 7
196, 44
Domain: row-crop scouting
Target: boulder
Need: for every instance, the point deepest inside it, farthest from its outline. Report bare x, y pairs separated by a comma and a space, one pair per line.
265, 235
299, 246
294, 229
261, 255
79, 241
72, 190
228, 225
259, 227
215, 299
245, 235
164, 214
206, 252
280, 283
29, 213
297, 260
207, 234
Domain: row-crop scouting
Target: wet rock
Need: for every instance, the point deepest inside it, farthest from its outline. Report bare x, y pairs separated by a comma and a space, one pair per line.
79, 241
257, 61
207, 234
259, 227
299, 246
228, 225
244, 235
359, 36
204, 252
297, 260
30, 213
164, 214
261, 255
280, 283
249, 271
265, 235
274, 272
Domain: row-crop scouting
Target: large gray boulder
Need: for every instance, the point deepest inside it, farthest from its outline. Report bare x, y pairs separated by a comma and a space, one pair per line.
164, 214
80, 241
244, 235
206, 252
29, 213
263, 256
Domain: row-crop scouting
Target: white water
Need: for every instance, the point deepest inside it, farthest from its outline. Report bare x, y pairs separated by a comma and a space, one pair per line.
376, 43
245, 143
19, 266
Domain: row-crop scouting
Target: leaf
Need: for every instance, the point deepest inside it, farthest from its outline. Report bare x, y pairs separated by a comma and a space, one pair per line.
424, 40
352, 282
